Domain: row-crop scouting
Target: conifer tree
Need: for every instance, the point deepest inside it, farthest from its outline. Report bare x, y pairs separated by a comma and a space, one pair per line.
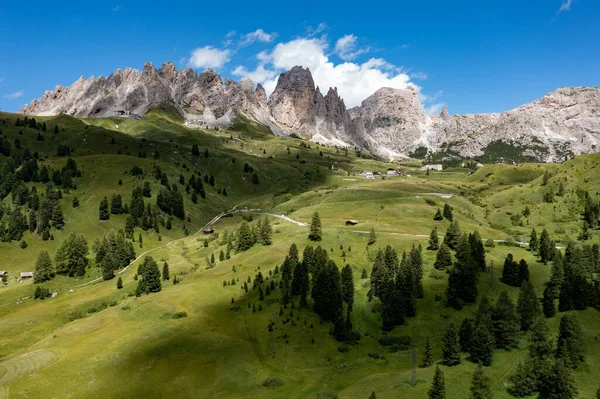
465, 334
428, 355
301, 280
119, 283
528, 306
559, 383
523, 271
434, 241
438, 215
448, 212
451, 346
482, 345
480, 385
165, 271
523, 381
151, 275
116, 206
109, 264
327, 292
541, 347
453, 235
406, 287
372, 237
557, 275
103, 209
416, 263
548, 306
443, 258
533, 241
510, 271
245, 240
71, 256
44, 270
546, 247
379, 275
348, 286
505, 322
569, 345
265, 232
315, 228
438, 387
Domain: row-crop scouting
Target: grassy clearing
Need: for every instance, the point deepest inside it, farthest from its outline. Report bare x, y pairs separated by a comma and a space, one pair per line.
100, 342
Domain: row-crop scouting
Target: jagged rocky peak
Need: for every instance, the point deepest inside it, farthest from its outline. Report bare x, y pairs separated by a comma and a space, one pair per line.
261, 94
389, 122
444, 114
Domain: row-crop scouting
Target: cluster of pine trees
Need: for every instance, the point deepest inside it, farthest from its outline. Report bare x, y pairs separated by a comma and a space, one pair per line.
494, 326
70, 260
515, 273
148, 276
464, 274
42, 214
249, 235
397, 284
547, 367
543, 246
113, 252
446, 214
480, 388
332, 292
572, 280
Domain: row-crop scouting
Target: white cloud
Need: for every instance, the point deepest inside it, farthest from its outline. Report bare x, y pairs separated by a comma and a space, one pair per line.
311, 32
229, 38
16, 94
404, 46
565, 6
354, 81
259, 75
346, 49
258, 35
117, 8
209, 57
418, 75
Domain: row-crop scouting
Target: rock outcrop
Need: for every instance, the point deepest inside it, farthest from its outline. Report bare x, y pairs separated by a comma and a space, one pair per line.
391, 122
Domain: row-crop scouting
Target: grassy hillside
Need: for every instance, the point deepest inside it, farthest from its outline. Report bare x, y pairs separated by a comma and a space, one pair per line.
96, 341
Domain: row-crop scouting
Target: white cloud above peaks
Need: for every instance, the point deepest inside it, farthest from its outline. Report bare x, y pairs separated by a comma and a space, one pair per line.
209, 57
258, 35
346, 48
355, 81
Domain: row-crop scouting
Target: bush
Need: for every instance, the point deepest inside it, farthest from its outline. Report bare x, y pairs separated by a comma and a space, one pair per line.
179, 315
399, 343
490, 243
272, 382
23, 244
41, 293
343, 348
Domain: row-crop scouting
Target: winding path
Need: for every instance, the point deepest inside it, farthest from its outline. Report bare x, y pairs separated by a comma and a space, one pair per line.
212, 221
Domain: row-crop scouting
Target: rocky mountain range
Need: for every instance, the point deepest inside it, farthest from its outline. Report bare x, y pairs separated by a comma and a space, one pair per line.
390, 123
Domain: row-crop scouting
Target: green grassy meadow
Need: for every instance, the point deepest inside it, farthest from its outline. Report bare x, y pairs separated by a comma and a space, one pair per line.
95, 341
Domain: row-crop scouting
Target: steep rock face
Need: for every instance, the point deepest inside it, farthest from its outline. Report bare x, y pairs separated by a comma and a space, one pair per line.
391, 122
297, 105
566, 120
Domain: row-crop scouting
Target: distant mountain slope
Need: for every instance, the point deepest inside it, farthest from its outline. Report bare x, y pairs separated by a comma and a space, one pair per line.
391, 122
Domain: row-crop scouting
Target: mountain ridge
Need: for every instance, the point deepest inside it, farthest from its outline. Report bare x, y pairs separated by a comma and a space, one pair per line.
390, 122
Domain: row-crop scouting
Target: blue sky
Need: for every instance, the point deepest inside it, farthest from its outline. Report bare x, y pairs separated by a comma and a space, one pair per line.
473, 56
